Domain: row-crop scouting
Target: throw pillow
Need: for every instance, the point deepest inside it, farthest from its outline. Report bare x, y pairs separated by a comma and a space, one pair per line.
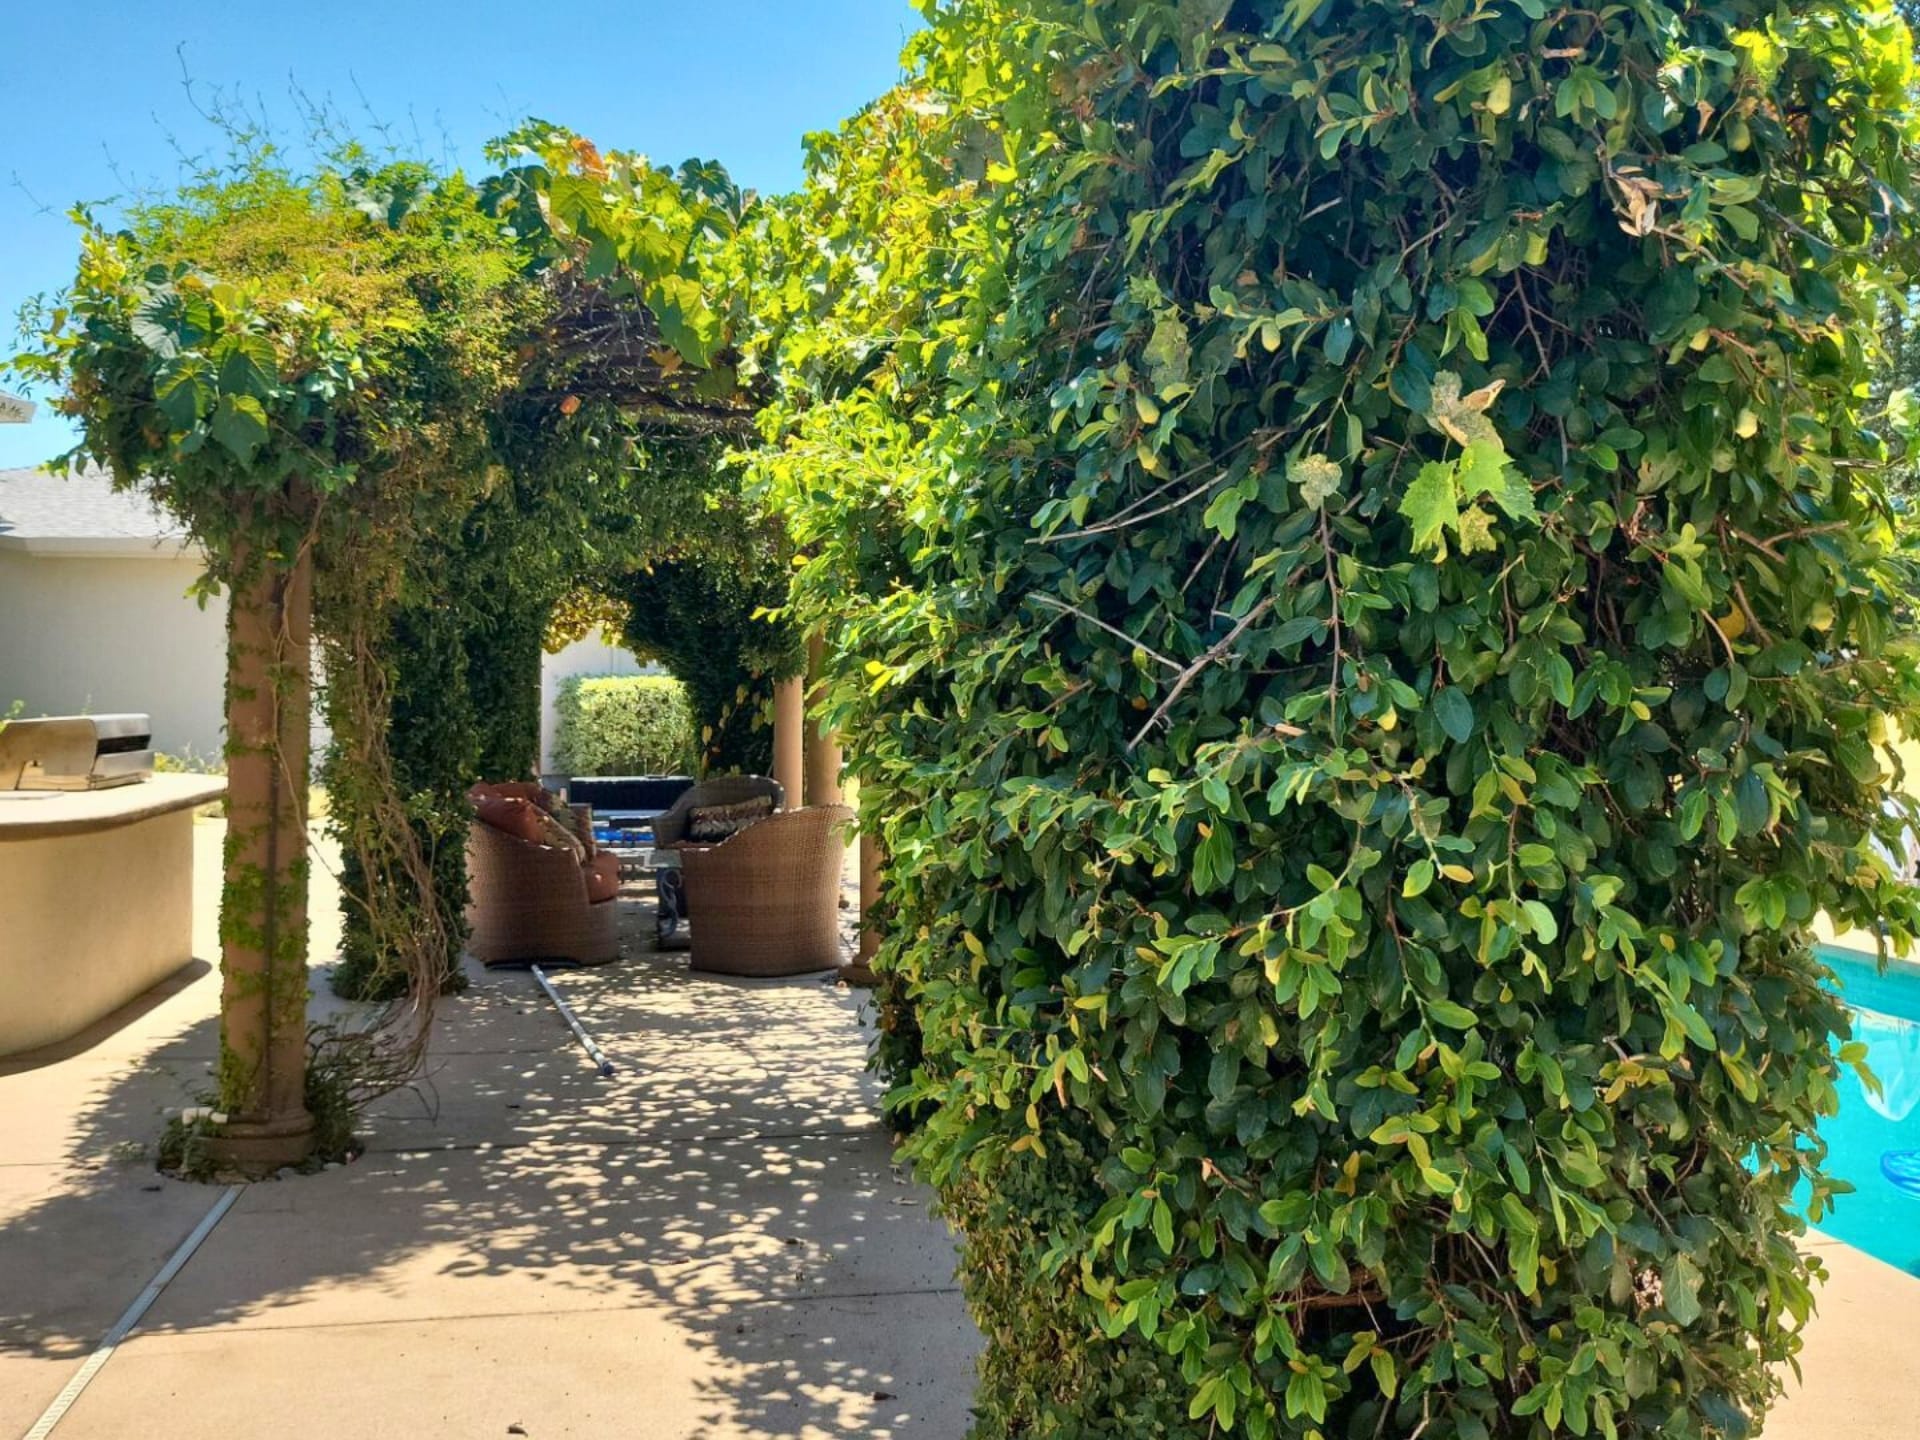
708, 824
575, 824
511, 817
550, 832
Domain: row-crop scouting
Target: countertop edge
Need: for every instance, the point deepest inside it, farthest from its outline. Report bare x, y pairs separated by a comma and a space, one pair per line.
81, 812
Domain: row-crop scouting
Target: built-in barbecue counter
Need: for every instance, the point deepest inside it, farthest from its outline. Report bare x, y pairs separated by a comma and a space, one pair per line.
96, 898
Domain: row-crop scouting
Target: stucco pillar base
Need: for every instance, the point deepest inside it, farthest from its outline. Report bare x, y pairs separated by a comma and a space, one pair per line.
259, 1147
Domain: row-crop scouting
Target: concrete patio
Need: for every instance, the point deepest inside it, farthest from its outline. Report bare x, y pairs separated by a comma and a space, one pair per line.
713, 1243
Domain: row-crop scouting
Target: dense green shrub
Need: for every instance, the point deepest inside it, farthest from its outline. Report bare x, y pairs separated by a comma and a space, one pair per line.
432, 742
623, 725
703, 617
502, 578
1370, 608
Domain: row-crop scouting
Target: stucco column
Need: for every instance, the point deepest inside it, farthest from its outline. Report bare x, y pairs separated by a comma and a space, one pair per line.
823, 745
860, 971
789, 739
263, 908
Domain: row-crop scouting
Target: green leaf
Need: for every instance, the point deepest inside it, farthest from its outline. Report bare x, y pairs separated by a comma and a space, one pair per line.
687, 321
1432, 506
1750, 801
1385, 1373
1223, 513
1545, 927
181, 391
1680, 1289
1307, 1395
247, 365
240, 426
1213, 860
1168, 352
1317, 476
1673, 299
1454, 711
1163, 1225
1486, 470
1339, 342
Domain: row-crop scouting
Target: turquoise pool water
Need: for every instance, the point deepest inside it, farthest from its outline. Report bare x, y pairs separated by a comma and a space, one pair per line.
1875, 1133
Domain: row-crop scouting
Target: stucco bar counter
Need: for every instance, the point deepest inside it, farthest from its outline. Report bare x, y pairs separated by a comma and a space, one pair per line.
96, 901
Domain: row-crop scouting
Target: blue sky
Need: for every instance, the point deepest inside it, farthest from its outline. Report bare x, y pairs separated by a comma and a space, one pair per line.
92, 99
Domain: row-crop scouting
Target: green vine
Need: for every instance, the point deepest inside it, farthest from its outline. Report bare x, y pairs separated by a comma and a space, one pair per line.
1369, 621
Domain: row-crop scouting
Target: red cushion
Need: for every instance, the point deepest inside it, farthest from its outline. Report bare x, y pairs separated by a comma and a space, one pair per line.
518, 818
603, 878
513, 790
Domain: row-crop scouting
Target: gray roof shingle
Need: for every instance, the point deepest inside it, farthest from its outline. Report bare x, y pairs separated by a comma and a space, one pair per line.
38, 506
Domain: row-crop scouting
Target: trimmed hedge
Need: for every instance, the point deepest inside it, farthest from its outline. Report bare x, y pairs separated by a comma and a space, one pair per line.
624, 725
1372, 623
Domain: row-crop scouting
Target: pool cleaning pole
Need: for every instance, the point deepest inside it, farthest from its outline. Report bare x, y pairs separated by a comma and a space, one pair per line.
573, 1024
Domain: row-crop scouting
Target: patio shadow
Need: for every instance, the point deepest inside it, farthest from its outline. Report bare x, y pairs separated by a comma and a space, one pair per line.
716, 1236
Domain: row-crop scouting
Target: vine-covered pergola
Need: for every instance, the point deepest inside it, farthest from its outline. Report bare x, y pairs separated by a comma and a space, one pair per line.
405, 417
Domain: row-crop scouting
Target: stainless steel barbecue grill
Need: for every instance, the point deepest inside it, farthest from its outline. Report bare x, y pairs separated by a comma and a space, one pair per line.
76, 752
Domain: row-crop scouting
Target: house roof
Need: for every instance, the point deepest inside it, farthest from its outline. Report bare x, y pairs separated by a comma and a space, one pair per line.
82, 514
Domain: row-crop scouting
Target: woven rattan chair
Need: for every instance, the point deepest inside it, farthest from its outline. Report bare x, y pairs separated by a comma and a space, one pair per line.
767, 900
670, 828
528, 902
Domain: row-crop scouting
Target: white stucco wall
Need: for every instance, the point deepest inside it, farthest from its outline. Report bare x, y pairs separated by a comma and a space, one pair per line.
595, 655
96, 635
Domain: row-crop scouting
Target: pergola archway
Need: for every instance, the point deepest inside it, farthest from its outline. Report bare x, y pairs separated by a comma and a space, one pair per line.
537, 337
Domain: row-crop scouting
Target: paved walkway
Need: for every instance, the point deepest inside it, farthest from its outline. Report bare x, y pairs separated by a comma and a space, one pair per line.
714, 1243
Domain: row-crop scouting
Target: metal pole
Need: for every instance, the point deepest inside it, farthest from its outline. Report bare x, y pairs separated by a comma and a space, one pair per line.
123, 1327
573, 1024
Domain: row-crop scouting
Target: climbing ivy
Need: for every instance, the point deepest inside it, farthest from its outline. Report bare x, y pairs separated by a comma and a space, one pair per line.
1367, 614
432, 737
705, 618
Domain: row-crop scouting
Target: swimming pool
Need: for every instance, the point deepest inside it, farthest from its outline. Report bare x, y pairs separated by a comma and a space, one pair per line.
1879, 1217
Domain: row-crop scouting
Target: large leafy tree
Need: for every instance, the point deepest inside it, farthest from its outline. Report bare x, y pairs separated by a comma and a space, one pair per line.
1370, 614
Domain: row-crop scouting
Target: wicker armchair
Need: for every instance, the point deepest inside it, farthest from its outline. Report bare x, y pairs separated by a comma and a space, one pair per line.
767, 900
528, 902
670, 828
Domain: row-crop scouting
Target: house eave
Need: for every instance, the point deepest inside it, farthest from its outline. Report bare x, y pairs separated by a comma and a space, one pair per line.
119, 547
